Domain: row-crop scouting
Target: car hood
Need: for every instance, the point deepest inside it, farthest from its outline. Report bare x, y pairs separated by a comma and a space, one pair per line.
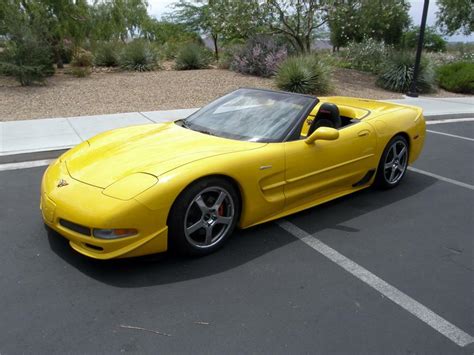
153, 149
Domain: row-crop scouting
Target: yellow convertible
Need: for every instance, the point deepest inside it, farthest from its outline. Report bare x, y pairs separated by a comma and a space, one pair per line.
249, 157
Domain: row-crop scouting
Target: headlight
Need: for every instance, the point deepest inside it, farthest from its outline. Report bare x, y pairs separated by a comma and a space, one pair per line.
130, 186
114, 233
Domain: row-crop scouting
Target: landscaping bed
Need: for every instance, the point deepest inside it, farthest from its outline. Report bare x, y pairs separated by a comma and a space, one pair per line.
106, 92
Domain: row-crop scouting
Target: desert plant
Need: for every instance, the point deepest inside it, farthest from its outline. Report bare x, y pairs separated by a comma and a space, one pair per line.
82, 58
80, 72
193, 56
139, 56
304, 74
106, 54
457, 77
397, 74
81, 63
367, 55
260, 56
26, 59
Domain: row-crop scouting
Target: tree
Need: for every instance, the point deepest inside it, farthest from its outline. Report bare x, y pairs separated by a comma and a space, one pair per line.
119, 19
455, 16
345, 23
222, 20
297, 20
432, 41
354, 20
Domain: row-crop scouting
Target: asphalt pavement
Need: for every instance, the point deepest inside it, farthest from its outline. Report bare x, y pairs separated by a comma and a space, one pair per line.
266, 291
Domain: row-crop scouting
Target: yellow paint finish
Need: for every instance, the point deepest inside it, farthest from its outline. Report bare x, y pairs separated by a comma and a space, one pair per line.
130, 177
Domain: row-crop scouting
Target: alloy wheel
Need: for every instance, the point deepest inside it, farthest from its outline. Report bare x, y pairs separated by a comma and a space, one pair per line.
209, 217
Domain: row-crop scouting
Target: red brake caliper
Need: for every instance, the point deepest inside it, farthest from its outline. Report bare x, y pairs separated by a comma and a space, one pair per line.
220, 210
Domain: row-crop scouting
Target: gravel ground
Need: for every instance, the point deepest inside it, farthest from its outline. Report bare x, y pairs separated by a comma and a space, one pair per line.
114, 92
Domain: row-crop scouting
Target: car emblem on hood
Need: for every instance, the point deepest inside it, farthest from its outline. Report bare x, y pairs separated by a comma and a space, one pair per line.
62, 183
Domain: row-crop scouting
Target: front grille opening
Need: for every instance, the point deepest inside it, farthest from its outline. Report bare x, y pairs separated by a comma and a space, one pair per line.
75, 227
95, 247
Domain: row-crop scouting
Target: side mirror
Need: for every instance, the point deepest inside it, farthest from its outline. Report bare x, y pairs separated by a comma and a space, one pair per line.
323, 133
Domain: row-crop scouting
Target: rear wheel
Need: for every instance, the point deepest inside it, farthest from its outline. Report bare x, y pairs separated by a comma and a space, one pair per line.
393, 164
203, 217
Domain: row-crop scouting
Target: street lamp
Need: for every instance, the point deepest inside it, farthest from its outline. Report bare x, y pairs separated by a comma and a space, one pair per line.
412, 92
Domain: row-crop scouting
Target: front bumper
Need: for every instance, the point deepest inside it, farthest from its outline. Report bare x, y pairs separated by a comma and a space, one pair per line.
85, 205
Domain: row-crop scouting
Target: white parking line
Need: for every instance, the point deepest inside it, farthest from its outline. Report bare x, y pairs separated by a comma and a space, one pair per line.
449, 120
25, 164
451, 135
420, 311
442, 178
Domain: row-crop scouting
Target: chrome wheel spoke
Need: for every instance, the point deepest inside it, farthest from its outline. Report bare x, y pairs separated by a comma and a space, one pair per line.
201, 204
392, 175
223, 220
219, 200
194, 227
388, 166
402, 153
208, 235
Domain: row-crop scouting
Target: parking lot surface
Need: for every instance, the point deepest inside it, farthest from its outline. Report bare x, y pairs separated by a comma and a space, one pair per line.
266, 291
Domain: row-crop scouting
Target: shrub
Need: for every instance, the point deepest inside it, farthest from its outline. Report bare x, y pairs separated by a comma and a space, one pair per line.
82, 58
140, 56
260, 56
80, 72
367, 55
106, 54
397, 74
27, 59
305, 75
457, 77
193, 56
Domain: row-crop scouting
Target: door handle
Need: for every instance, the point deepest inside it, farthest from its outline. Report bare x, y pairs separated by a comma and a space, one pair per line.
363, 133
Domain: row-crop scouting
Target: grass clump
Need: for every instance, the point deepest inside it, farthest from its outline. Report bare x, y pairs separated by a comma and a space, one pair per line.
192, 56
139, 56
304, 75
457, 77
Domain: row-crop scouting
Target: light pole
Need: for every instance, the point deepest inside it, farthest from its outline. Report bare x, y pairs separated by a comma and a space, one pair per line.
412, 92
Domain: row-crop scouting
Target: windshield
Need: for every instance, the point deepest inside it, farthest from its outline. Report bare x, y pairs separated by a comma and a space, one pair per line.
251, 115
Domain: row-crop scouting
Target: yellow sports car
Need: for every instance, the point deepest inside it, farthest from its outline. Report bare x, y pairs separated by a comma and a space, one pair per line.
249, 157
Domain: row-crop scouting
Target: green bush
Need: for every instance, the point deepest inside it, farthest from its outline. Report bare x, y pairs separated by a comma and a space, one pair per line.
106, 54
139, 56
457, 77
304, 74
193, 56
397, 74
26, 59
368, 55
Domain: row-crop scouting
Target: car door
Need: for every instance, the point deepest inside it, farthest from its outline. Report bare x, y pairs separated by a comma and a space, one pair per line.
316, 171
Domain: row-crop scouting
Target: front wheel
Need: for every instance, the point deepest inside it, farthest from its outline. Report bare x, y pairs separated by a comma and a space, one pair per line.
393, 164
203, 217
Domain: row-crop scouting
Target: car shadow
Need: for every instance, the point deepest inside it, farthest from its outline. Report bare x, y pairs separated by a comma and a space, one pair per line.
243, 247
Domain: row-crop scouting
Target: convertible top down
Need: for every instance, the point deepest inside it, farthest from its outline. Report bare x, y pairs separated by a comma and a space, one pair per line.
249, 157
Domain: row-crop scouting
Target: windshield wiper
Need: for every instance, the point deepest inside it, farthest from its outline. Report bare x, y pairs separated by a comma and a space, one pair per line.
182, 122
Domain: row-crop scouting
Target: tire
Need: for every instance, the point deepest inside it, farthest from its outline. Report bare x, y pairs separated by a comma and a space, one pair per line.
203, 217
393, 163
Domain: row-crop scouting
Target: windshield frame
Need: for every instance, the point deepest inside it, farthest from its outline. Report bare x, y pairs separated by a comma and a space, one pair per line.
288, 134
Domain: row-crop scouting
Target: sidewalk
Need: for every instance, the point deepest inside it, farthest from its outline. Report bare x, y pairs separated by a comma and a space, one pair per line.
18, 137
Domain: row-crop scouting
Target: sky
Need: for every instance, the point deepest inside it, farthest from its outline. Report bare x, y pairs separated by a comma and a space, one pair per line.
158, 7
